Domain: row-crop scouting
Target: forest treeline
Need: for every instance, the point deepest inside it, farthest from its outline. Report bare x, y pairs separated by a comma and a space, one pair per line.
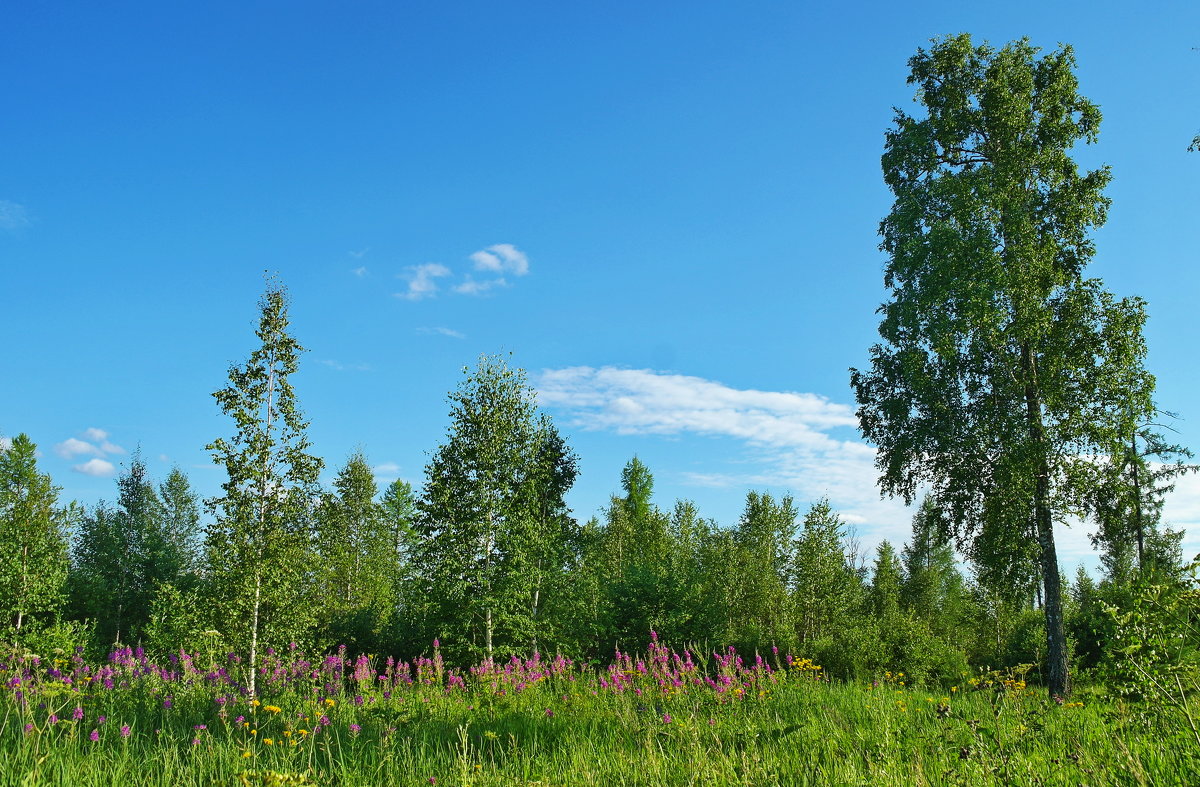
488, 559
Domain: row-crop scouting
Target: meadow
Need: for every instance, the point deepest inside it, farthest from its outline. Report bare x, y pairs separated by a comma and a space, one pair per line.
665, 717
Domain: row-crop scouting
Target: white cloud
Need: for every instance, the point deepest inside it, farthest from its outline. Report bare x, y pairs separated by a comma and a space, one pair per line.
71, 448
13, 217
360, 271
5, 443
473, 287
358, 255
164, 458
501, 258
786, 435
421, 282
100, 468
1181, 510
453, 334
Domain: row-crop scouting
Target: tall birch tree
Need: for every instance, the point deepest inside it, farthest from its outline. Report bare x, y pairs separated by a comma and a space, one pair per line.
1005, 379
257, 550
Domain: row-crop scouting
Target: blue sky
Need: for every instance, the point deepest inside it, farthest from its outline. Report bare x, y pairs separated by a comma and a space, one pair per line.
667, 212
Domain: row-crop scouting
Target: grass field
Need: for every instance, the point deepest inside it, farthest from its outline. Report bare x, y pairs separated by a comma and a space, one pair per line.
664, 718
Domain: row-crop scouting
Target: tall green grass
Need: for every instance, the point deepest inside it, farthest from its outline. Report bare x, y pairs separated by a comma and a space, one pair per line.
570, 726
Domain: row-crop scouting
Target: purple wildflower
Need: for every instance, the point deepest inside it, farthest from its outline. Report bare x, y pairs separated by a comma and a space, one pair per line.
94, 736
666, 718
355, 729
28, 728
53, 719
77, 714
125, 731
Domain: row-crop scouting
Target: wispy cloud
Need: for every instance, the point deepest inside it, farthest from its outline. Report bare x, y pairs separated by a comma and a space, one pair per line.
360, 271
5, 443
100, 436
13, 216
501, 258
386, 472
421, 282
358, 255
786, 434
473, 287
345, 367
793, 441
97, 444
99, 468
453, 334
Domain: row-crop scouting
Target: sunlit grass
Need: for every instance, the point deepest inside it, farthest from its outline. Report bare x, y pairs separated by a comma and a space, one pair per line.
663, 719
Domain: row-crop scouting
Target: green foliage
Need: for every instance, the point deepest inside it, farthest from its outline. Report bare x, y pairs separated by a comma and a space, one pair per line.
33, 542
122, 554
492, 524
258, 551
825, 587
763, 541
357, 547
884, 594
179, 528
1155, 648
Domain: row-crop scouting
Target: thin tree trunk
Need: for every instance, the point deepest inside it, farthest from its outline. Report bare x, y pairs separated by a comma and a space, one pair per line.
254, 633
1057, 674
488, 632
262, 526
1137, 503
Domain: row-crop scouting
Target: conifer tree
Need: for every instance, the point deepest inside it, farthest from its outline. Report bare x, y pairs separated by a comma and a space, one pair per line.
120, 556
180, 527
885, 584
358, 554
